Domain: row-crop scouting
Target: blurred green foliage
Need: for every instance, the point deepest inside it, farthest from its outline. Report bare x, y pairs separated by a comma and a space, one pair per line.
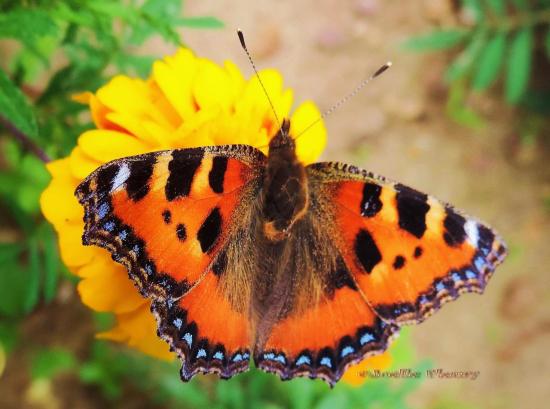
110, 369
64, 48
496, 40
92, 39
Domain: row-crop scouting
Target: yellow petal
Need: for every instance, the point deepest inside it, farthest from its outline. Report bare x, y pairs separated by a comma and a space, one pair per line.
131, 95
104, 146
81, 164
82, 97
139, 330
73, 252
58, 203
174, 76
139, 127
210, 87
356, 374
254, 97
60, 170
105, 286
196, 131
311, 143
254, 108
236, 81
99, 113
163, 104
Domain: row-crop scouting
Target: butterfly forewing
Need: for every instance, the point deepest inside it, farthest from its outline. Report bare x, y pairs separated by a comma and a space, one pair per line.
168, 216
408, 252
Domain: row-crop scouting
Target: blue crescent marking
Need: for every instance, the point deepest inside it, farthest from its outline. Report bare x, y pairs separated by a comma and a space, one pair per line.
188, 338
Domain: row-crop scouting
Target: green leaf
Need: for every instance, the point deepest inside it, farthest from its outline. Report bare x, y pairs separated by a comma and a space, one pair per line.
474, 8
301, 393
490, 62
9, 334
201, 22
33, 277
336, 399
229, 396
497, 6
13, 281
48, 363
547, 42
50, 261
14, 107
437, 40
27, 25
32, 179
465, 60
521, 5
457, 108
519, 65
537, 101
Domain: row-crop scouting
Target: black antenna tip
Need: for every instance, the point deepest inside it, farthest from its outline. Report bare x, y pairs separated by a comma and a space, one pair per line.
241, 38
382, 69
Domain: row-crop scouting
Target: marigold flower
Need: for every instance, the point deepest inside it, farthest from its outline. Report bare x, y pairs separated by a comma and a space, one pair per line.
186, 102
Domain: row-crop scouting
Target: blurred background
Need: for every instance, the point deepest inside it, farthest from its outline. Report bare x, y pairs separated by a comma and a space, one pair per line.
463, 114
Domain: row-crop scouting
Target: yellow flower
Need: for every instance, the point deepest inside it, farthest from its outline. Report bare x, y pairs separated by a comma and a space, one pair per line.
356, 374
186, 102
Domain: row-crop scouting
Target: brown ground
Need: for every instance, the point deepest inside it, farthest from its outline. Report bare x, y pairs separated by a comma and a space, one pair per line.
397, 127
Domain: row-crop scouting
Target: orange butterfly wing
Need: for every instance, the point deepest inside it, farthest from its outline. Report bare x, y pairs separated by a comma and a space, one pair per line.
167, 216
408, 252
323, 341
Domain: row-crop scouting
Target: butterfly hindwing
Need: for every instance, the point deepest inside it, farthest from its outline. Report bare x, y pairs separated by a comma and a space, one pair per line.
205, 331
325, 323
325, 339
168, 217
408, 252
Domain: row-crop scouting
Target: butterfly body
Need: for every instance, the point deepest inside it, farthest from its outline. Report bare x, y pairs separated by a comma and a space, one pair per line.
305, 269
285, 193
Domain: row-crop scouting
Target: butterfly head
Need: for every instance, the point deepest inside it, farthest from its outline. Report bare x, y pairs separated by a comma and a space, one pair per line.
282, 139
285, 195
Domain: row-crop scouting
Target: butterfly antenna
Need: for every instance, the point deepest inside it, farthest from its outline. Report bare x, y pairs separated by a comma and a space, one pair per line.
347, 97
243, 45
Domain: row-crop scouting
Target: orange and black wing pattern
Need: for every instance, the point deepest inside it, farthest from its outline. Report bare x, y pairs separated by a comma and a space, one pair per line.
408, 252
168, 216
326, 339
325, 323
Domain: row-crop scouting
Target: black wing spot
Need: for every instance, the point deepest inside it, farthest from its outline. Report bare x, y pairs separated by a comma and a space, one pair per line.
167, 216
412, 208
181, 232
217, 173
210, 230
105, 176
182, 170
370, 202
399, 262
366, 250
418, 252
137, 184
454, 234
340, 277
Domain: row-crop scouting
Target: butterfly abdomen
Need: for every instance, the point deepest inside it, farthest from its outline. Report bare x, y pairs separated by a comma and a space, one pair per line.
285, 193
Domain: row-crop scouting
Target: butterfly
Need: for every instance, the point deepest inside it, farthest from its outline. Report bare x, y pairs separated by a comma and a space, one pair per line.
304, 269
